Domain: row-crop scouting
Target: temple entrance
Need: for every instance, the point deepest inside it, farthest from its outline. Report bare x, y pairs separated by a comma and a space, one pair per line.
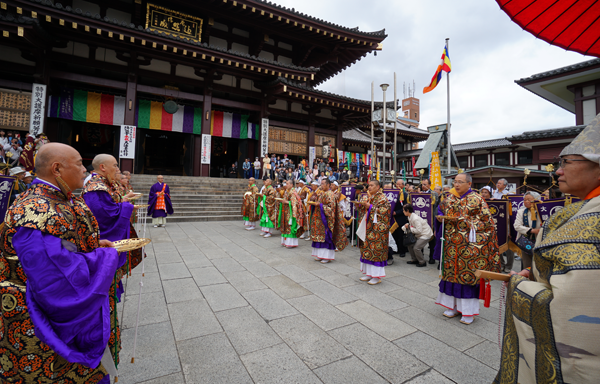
89, 139
224, 152
163, 152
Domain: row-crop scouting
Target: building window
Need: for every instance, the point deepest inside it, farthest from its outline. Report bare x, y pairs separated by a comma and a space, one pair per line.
481, 161
463, 161
502, 158
525, 157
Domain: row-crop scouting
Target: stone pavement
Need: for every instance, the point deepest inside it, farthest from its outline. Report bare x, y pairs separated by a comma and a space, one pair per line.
223, 305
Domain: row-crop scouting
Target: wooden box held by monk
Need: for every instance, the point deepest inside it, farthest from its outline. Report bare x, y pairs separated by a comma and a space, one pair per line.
485, 290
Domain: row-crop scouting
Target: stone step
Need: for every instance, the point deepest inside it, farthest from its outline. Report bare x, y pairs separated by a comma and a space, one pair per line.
190, 218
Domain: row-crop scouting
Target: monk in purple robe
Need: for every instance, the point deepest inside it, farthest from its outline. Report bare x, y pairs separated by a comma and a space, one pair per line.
159, 202
56, 281
112, 210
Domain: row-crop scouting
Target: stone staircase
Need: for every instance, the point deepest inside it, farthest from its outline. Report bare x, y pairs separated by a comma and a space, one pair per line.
198, 198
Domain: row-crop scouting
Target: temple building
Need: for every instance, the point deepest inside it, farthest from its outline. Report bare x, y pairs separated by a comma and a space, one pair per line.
179, 87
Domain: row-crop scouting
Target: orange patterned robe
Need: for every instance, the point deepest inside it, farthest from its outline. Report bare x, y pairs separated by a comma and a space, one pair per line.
23, 357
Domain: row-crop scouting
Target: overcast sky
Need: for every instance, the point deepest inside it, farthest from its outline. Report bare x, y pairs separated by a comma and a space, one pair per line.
488, 52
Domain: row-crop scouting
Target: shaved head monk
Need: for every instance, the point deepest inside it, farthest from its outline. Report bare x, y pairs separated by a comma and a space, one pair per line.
103, 195
56, 292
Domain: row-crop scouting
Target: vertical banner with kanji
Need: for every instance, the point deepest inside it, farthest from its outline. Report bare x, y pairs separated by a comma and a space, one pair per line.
350, 192
38, 107
205, 150
548, 208
435, 174
312, 155
6, 186
264, 138
421, 203
516, 202
127, 142
499, 211
392, 197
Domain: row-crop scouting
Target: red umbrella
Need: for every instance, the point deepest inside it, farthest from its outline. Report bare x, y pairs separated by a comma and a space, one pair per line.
570, 24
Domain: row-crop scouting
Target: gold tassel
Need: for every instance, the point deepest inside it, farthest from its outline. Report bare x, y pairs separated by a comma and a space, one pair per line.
64, 187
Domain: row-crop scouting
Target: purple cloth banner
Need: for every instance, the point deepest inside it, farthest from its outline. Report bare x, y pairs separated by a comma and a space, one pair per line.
421, 203
499, 211
65, 107
6, 186
392, 196
516, 202
350, 192
236, 125
188, 119
549, 207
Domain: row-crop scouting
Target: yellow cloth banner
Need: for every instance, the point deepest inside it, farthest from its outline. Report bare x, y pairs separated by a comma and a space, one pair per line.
435, 174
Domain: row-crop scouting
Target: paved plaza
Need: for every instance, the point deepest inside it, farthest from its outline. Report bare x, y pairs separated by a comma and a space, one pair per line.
223, 305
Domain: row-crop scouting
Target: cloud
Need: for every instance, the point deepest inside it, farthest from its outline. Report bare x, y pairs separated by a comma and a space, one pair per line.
488, 52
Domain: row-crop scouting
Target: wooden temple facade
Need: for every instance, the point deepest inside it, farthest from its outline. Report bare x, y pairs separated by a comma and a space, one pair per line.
205, 82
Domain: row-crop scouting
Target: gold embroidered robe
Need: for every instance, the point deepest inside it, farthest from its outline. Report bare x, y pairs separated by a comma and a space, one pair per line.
375, 247
552, 325
250, 204
461, 257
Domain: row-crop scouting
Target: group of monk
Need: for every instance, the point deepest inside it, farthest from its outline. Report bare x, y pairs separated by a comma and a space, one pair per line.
315, 213
60, 274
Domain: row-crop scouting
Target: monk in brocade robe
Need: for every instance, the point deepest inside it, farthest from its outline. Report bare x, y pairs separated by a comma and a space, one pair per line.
291, 217
552, 325
112, 210
28, 154
374, 249
326, 219
470, 243
267, 209
249, 205
312, 191
56, 281
159, 202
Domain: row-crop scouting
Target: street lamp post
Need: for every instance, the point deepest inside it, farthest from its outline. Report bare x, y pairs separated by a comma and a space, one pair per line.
384, 87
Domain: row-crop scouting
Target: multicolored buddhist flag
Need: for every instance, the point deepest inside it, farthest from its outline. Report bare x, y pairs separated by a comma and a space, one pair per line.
444, 66
152, 115
233, 125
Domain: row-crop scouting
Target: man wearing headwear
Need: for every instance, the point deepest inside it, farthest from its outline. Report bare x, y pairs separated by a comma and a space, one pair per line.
326, 225
159, 202
553, 325
291, 216
249, 206
375, 209
268, 209
57, 281
469, 243
19, 186
112, 210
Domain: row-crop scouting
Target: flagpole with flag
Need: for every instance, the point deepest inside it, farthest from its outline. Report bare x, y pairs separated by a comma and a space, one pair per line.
444, 66
448, 104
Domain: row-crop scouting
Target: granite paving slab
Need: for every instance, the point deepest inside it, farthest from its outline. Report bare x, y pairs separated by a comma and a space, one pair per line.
313, 345
247, 330
278, 364
268, 304
450, 362
382, 323
222, 296
191, 319
211, 360
391, 362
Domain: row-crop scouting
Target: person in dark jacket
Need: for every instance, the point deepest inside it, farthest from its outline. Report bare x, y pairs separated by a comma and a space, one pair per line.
232, 172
